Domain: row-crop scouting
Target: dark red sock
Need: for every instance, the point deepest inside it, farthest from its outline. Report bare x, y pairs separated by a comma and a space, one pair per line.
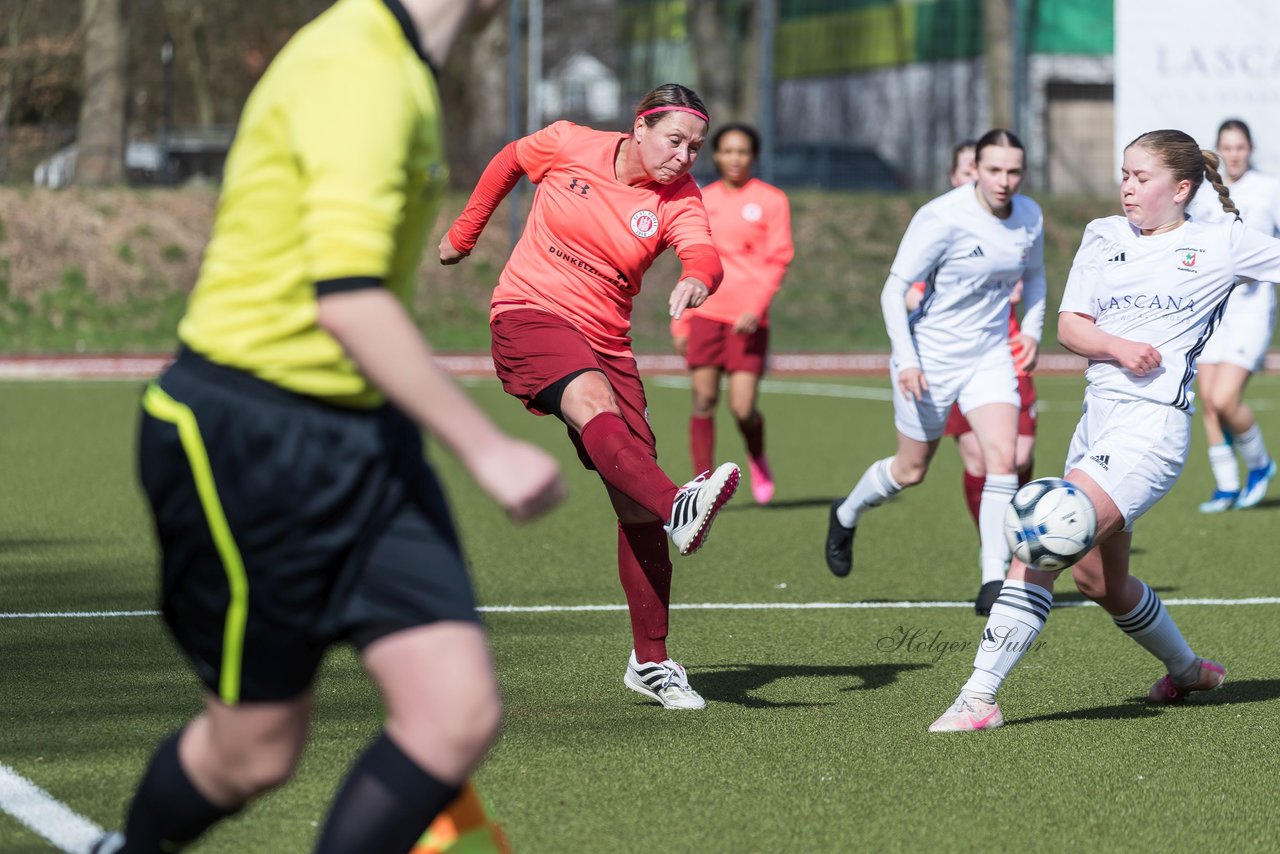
625, 463
1024, 476
753, 431
644, 567
973, 493
702, 442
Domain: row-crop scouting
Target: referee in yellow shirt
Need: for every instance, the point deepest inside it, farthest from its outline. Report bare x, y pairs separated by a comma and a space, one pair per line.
282, 455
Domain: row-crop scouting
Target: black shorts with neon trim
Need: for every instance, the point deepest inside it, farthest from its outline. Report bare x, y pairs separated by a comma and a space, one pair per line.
287, 525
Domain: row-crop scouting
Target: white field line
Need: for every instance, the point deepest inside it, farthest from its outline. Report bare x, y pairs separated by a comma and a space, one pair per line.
41, 812
687, 606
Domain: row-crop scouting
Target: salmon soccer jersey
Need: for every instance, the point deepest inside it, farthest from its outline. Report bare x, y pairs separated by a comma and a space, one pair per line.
321, 193
590, 237
1167, 290
970, 261
751, 227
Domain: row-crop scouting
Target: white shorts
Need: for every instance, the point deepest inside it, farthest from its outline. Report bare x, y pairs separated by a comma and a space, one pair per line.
971, 383
1134, 449
1244, 334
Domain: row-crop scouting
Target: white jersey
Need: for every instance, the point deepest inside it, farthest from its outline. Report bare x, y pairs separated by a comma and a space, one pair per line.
1167, 290
970, 261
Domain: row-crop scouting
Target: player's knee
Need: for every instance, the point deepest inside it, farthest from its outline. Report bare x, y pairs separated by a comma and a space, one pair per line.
910, 474
252, 772
471, 724
1090, 581
744, 413
704, 405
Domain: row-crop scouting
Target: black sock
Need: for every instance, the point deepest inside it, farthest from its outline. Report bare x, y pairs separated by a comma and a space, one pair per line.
385, 804
167, 810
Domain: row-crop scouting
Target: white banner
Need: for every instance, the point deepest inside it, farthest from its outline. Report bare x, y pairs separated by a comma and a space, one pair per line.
1190, 65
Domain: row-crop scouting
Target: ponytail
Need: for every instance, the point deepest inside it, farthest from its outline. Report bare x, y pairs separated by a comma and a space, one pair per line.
1211, 162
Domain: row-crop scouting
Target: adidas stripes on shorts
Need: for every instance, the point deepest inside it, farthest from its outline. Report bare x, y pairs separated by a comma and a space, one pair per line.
1134, 449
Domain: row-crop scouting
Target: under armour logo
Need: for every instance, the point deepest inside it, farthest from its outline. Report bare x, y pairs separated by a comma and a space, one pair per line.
977, 252
1103, 461
1119, 257
581, 187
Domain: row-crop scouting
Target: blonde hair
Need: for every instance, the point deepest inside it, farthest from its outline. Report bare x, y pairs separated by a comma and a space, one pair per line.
1187, 161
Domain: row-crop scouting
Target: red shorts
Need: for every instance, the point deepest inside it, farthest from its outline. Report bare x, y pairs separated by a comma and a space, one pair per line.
534, 349
714, 344
957, 424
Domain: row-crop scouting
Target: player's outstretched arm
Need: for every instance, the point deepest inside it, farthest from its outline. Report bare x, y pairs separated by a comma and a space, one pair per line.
376, 331
1081, 335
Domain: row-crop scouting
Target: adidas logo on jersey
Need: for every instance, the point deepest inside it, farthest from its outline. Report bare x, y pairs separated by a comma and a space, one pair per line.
1103, 460
977, 252
1119, 257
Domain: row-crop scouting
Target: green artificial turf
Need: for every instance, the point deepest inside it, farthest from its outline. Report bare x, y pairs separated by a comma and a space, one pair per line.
814, 735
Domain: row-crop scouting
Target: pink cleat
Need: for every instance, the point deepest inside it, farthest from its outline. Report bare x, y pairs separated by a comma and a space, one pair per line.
1167, 691
968, 714
761, 479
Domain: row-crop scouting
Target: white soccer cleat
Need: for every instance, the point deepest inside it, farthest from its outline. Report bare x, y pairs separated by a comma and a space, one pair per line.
663, 681
697, 504
968, 714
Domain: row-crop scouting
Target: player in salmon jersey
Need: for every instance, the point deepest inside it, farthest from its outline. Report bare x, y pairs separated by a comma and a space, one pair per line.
963, 171
971, 246
1144, 295
607, 205
751, 226
1238, 349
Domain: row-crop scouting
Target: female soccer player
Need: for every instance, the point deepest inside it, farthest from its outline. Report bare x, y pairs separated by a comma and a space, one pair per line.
974, 468
751, 226
1237, 350
971, 246
282, 456
607, 205
1145, 293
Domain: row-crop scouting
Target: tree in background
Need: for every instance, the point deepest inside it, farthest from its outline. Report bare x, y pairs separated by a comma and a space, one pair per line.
101, 137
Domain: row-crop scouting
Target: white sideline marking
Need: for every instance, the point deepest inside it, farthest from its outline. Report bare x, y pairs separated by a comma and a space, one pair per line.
688, 606
46, 815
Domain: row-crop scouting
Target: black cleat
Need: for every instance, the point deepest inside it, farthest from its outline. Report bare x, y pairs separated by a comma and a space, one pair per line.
839, 544
987, 597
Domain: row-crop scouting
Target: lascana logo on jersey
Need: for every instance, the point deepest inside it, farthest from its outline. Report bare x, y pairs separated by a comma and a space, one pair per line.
644, 224
1187, 258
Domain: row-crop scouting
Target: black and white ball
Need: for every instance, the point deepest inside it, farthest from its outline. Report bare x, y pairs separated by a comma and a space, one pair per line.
1050, 524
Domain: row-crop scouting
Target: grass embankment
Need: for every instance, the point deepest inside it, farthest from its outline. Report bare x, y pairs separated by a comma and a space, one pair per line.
107, 271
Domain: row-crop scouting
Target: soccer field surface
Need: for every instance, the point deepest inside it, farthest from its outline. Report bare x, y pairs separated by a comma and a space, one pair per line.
819, 689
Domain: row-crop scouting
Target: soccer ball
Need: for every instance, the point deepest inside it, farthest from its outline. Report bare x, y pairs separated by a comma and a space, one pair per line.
1050, 524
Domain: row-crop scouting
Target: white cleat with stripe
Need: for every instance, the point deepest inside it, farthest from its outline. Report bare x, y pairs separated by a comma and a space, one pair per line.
663, 681
697, 504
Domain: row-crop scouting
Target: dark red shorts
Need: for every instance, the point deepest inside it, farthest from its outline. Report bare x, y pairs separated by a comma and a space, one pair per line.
714, 344
534, 349
957, 424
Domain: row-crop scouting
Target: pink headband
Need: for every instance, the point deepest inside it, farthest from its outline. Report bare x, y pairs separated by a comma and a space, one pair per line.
690, 110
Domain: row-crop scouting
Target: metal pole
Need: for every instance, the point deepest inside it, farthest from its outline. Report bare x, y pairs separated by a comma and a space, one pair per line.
166, 111
514, 199
767, 13
1019, 69
535, 66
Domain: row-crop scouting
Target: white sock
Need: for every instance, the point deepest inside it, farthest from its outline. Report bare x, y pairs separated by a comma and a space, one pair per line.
1017, 618
1252, 450
997, 492
1152, 627
1222, 460
874, 488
